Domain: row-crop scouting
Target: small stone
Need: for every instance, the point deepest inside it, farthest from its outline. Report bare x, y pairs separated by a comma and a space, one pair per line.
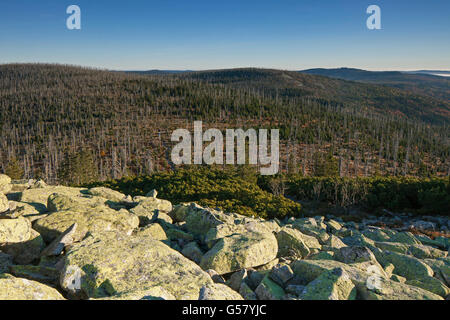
217, 291
217, 278
246, 292
152, 194
269, 290
281, 274
397, 278
236, 279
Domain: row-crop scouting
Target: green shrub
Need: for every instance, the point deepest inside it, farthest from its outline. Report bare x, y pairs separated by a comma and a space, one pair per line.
224, 189
418, 195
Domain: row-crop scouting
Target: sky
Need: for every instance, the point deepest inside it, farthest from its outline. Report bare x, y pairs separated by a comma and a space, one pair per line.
211, 34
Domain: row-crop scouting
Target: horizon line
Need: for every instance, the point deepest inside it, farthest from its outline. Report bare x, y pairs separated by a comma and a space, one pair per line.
220, 68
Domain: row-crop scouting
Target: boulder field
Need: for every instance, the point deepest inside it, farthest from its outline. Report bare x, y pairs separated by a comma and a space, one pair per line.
61, 242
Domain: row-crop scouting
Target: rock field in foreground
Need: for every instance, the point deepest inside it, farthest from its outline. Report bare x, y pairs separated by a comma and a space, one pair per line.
72, 243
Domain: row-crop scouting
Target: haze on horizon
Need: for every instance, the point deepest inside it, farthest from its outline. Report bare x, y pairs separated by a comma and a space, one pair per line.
203, 35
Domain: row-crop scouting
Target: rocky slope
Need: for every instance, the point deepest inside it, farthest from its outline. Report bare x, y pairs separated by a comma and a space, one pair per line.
72, 243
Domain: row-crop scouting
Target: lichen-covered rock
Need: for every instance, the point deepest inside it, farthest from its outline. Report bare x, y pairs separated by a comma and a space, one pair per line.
65, 239
152, 193
426, 240
407, 266
268, 266
269, 290
192, 252
200, 220
23, 210
38, 197
310, 227
389, 269
333, 225
236, 279
362, 276
254, 277
295, 289
154, 230
291, 242
60, 202
430, 284
354, 254
421, 251
150, 209
438, 266
179, 212
25, 252
108, 263
308, 270
4, 204
404, 237
5, 184
217, 291
174, 233
12, 288
246, 292
240, 251
281, 274
392, 290
375, 234
41, 274
5, 262
154, 293
14, 230
107, 193
96, 219
323, 255
223, 230
358, 239
217, 278
397, 278
443, 242
334, 242
331, 285
393, 246
445, 273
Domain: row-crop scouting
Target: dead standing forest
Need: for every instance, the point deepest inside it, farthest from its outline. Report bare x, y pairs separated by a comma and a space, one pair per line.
75, 125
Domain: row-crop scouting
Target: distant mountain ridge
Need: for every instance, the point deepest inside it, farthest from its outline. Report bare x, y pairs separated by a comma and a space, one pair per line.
431, 72
157, 71
419, 82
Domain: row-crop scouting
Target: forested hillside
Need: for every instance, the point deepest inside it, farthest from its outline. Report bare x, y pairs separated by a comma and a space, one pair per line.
75, 125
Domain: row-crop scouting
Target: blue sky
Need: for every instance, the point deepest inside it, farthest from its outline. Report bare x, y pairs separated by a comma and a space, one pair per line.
198, 34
